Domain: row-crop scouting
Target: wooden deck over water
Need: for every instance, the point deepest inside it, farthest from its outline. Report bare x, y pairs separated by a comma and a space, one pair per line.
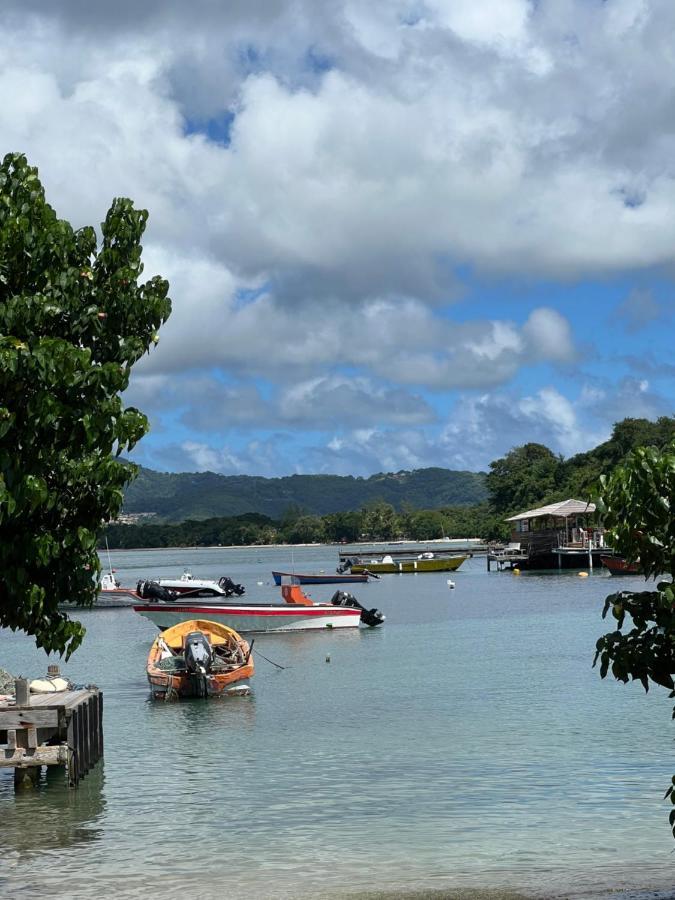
63, 728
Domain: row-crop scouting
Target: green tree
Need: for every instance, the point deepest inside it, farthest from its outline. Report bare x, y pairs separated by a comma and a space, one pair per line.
525, 478
637, 502
73, 321
427, 525
380, 521
342, 527
306, 530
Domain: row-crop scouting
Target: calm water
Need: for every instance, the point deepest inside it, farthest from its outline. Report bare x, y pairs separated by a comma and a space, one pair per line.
465, 744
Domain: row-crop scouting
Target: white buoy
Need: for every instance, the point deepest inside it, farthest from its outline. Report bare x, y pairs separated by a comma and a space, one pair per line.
451, 583
259, 583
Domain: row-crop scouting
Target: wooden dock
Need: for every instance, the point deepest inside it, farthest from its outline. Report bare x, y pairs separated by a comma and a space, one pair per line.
63, 728
506, 559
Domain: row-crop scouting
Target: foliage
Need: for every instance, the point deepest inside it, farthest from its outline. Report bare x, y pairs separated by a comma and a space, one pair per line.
427, 525
73, 321
637, 502
349, 527
520, 479
531, 475
380, 522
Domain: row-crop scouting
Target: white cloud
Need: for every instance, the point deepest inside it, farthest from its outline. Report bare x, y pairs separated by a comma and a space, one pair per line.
455, 153
549, 335
376, 151
489, 22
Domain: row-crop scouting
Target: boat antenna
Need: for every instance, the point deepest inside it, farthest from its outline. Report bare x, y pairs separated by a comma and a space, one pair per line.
108, 551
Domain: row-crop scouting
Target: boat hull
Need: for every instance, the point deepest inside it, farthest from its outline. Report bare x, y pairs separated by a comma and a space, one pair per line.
162, 687
253, 618
359, 578
618, 566
411, 566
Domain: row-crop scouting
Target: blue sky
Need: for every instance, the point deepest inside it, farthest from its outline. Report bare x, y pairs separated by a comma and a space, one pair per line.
398, 234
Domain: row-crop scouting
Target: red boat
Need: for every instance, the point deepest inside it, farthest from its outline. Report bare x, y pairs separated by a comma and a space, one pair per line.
617, 565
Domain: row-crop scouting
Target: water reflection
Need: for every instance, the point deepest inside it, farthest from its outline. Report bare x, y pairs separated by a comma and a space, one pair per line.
54, 816
191, 718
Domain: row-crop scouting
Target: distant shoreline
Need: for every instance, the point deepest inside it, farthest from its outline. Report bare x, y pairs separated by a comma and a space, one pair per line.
439, 542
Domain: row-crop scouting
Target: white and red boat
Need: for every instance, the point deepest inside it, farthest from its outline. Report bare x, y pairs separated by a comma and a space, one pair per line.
297, 612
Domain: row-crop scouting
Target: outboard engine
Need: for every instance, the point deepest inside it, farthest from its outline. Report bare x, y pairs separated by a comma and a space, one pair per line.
230, 587
371, 617
151, 590
198, 653
345, 566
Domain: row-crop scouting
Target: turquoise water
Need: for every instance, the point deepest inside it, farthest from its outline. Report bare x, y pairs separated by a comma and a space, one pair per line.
465, 744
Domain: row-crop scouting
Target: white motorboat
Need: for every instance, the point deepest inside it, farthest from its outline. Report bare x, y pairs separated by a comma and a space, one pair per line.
188, 584
297, 612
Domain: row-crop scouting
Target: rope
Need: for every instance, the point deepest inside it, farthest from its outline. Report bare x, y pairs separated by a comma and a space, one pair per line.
258, 653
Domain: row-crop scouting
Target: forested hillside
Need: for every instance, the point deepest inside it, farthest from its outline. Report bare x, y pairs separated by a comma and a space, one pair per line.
532, 475
204, 495
409, 505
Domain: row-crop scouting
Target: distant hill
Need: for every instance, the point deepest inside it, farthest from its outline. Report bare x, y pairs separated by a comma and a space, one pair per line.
202, 495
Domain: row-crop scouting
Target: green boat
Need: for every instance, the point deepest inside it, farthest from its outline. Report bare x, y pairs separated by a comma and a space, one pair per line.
420, 564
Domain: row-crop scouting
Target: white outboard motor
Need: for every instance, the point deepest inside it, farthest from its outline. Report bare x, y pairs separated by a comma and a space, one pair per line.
198, 653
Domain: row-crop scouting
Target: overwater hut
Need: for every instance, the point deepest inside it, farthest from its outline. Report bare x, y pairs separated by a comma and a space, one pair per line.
562, 535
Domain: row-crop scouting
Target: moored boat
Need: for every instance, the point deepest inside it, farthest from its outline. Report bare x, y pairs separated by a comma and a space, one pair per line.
199, 658
425, 562
617, 565
321, 578
297, 612
188, 584
111, 593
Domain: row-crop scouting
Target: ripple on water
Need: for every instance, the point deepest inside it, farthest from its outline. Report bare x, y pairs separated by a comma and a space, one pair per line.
466, 745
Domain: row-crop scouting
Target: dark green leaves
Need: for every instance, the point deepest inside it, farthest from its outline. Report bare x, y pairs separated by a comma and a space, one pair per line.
636, 502
73, 321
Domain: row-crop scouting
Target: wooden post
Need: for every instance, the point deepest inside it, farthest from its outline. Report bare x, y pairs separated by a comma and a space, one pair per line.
22, 692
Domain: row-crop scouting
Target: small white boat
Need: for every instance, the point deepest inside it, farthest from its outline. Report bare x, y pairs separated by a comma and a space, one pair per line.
188, 584
297, 612
111, 594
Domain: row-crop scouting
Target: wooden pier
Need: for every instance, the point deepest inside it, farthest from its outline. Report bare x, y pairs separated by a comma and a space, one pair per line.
63, 728
507, 558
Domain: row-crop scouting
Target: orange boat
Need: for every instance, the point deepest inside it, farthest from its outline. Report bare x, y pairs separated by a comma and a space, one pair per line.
199, 658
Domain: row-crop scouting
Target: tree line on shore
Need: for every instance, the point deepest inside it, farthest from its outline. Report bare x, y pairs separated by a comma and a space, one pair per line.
528, 476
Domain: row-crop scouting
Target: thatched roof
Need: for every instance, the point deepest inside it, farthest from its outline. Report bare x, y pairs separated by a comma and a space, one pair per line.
562, 509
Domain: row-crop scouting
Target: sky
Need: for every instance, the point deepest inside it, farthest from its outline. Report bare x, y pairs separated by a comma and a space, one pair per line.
398, 234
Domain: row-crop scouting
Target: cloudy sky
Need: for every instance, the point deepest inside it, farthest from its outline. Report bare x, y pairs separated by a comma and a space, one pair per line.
398, 234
